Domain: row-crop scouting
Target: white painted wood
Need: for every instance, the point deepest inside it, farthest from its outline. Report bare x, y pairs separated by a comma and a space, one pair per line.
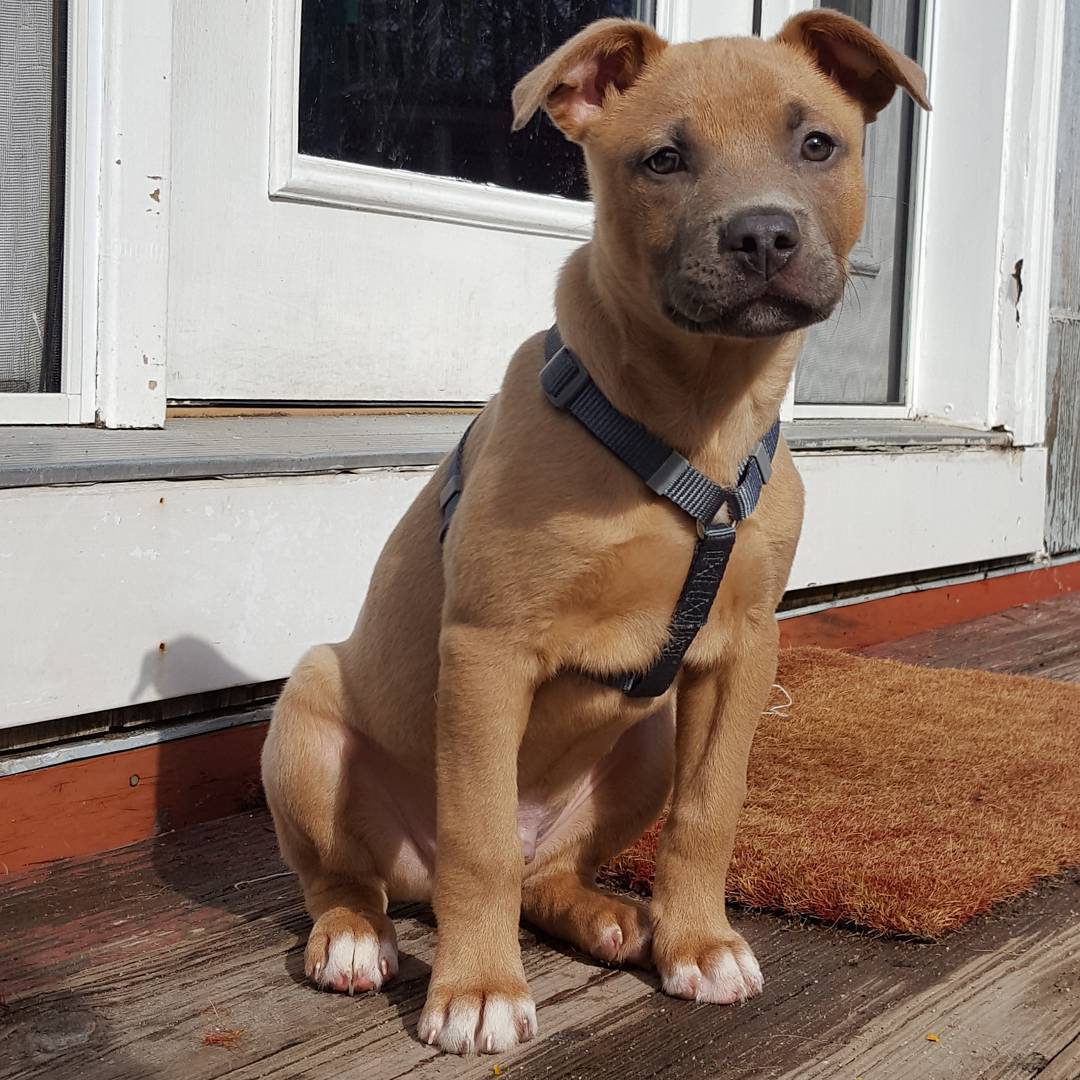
719, 18
774, 13
82, 220
275, 299
366, 187
136, 199
847, 412
1018, 378
988, 179
693, 20
870, 515
238, 577
39, 408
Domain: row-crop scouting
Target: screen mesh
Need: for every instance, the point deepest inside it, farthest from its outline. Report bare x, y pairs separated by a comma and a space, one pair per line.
32, 46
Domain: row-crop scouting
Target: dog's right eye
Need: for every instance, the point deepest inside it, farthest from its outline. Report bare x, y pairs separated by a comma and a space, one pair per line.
665, 161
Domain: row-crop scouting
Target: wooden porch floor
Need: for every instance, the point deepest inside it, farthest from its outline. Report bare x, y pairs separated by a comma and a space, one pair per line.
120, 966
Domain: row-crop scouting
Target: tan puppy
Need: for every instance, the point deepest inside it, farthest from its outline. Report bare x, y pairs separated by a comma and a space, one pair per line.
458, 746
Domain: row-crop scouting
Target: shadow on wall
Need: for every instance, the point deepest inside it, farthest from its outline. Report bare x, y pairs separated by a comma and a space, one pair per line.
177, 666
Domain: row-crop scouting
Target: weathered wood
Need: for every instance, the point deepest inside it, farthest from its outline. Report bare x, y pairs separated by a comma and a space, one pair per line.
1033, 639
1063, 434
1065, 1065
974, 1017
117, 967
201, 932
1063, 349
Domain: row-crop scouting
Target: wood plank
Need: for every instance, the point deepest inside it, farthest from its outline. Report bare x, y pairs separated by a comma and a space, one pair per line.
84, 807
1033, 639
998, 1016
1063, 347
892, 618
116, 967
1063, 434
202, 931
1065, 1064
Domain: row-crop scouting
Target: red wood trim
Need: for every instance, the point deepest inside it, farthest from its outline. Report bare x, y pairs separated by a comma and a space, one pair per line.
86, 807
858, 626
90, 806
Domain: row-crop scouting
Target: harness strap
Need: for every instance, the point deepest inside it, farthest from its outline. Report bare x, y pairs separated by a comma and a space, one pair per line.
455, 482
665, 471
570, 388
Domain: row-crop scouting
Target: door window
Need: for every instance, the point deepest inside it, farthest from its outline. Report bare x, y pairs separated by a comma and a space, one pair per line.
425, 85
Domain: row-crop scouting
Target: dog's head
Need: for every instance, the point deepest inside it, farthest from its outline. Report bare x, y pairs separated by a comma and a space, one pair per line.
727, 174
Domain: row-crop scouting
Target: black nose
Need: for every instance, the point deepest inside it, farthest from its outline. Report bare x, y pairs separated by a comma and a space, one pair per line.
763, 240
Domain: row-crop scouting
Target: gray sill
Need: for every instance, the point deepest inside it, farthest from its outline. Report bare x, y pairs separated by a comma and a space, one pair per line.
189, 449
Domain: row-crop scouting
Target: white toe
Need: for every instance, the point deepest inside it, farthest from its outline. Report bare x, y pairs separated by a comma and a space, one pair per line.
356, 959
682, 981
468, 1027
506, 1022
733, 975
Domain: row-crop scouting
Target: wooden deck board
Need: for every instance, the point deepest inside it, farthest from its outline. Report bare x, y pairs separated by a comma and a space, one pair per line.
1032, 639
116, 967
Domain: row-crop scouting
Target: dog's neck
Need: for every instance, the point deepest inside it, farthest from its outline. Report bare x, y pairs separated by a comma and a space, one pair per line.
710, 398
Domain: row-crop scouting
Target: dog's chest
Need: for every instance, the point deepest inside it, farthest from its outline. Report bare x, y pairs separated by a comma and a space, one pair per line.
625, 620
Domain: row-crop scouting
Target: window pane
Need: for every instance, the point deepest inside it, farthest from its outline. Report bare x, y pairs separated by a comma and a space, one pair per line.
425, 85
856, 357
33, 44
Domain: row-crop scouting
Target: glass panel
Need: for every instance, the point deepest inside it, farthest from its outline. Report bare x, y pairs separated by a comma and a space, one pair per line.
33, 46
856, 357
425, 85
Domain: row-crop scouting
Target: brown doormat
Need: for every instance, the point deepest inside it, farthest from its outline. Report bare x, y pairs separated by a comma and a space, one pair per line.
902, 799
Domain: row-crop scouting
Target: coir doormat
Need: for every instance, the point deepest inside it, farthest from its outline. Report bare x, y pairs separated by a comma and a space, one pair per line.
902, 799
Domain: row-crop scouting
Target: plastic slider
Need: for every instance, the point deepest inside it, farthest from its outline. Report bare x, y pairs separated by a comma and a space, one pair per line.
451, 490
562, 392
673, 466
764, 464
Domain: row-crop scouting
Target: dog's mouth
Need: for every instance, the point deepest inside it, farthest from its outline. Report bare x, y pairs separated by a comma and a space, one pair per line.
767, 315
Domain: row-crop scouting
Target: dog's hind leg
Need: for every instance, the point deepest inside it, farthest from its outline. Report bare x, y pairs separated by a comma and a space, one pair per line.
624, 796
352, 946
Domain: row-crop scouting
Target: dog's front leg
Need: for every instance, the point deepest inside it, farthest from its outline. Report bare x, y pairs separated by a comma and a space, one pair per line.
478, 1001
696, 952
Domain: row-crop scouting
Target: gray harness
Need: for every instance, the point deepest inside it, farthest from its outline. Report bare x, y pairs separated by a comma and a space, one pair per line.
664, 471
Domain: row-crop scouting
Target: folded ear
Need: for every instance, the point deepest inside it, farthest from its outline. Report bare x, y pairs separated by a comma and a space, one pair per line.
860, 63
581, 78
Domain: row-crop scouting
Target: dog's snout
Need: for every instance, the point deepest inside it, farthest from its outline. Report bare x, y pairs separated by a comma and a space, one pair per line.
763, 240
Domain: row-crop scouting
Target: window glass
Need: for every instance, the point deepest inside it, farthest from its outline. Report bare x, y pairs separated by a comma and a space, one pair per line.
425, 85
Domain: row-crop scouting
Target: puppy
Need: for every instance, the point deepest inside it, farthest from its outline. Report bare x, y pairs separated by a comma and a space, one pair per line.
463, 746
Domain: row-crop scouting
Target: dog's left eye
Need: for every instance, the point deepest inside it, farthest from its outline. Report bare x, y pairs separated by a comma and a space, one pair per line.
817, 146
665, 161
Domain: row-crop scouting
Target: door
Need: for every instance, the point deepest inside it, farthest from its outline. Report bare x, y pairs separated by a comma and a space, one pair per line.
392, 242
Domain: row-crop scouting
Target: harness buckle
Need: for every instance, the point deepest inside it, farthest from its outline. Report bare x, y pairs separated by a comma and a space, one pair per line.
718, 523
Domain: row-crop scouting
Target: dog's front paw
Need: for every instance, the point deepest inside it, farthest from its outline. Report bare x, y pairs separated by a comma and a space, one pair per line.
351, 953
719, 972
477, 1019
